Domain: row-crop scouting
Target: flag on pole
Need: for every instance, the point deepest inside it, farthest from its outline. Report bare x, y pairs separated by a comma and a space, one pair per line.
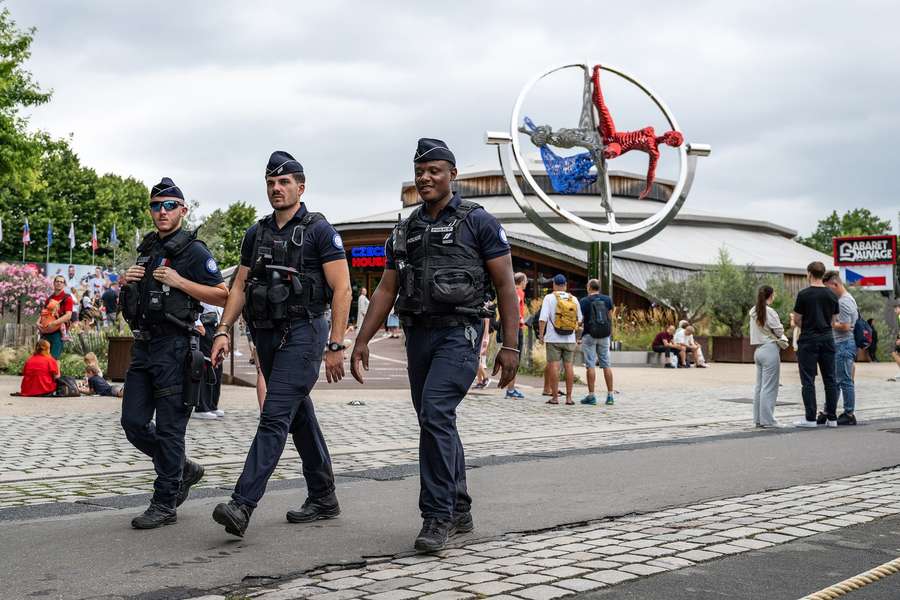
71, 235
113, 237
94, 243
26, 234
49, 234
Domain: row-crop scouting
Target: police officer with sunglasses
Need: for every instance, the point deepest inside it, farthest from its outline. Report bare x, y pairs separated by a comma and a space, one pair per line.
161, 299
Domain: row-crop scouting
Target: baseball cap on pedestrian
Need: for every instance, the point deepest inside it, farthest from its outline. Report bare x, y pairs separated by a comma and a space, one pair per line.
429, 149
166, 188
559, 279
282, 163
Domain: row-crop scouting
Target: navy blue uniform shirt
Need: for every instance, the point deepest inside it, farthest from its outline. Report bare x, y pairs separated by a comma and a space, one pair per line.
321, 241
586, 305
196, 264
480, 230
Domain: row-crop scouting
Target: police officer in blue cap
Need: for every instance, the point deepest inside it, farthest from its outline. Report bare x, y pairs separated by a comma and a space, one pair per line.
443, 261
161, 298
293, 267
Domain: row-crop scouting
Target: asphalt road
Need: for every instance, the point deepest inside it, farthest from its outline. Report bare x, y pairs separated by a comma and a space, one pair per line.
97, 554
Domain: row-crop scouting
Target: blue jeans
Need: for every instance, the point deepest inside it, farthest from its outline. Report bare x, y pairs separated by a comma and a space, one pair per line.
844, 357
595, 352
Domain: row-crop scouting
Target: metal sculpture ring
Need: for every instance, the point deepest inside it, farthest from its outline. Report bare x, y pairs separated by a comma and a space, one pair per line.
601, 141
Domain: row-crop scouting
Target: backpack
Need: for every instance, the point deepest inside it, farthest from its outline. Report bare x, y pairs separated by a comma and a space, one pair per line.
67, 387
598, 319
565, 319
862, 333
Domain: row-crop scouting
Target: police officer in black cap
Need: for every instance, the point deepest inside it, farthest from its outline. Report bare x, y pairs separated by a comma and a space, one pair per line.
293, 267
443, 260
161, 301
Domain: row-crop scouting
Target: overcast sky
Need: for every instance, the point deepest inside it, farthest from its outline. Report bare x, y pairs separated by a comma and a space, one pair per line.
799, 100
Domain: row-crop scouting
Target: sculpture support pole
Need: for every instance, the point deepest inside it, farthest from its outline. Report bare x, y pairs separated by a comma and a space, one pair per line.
600, 266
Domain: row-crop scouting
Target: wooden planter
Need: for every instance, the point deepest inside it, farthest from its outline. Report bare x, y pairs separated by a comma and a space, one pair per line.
119, 353
732, 350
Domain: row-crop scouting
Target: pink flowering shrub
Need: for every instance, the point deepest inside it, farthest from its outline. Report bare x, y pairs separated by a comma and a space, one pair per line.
22, 283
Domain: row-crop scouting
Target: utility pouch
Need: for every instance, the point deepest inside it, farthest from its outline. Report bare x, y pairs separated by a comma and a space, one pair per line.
195, 367
129, 300
258, 303
454, 286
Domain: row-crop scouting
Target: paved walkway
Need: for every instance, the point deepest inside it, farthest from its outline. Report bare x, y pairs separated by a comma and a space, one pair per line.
73, 455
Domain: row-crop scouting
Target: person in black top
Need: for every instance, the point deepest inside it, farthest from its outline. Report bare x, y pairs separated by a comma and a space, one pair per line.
110, 300
173, 273
815, 309
872, 350
442, 261
293, 266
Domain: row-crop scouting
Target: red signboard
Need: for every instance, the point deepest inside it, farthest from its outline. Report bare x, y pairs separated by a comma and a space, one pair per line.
866, 250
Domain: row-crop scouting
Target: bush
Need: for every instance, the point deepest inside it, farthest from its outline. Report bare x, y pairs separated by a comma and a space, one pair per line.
71, 365
7, 355
17, 362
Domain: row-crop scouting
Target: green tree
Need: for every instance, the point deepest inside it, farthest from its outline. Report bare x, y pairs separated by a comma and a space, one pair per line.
859, 221
223, 231
687, 296
19, 150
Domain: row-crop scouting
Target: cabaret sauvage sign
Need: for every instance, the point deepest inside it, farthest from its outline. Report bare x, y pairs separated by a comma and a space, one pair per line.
868, 250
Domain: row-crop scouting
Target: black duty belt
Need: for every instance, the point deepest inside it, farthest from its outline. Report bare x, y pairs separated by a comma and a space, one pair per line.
154, 331
435, 321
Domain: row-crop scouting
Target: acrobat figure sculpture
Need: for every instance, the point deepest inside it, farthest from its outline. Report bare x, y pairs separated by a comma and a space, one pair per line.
617, 143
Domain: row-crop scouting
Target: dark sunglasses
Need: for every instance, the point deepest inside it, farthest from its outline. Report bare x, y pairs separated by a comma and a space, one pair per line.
169, 205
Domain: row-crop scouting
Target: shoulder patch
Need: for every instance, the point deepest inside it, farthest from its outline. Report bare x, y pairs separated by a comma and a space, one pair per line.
337, 242
211, 265
502, 233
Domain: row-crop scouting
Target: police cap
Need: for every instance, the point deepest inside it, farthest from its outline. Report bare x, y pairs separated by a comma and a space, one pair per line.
282, 163
432, 149
166, 188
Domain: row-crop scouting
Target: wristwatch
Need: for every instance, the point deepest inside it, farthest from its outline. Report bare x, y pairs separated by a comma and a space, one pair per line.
335, 346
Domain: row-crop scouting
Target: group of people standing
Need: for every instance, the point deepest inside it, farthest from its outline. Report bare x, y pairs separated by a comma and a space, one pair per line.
825, 314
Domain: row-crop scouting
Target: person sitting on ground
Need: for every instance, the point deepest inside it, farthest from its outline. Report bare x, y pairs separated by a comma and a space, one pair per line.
91, 359
664, 343
97, 384
693, 347
40, 372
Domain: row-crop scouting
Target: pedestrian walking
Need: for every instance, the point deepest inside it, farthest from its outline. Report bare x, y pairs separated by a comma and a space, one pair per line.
521, 281
845, 348
362, 306
442, 260
598, 311
815, 308
293, 268
173, 273
767, 335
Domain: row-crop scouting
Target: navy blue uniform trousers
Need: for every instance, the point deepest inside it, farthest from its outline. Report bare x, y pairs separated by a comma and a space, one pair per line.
441, 363
154, 384
290, 373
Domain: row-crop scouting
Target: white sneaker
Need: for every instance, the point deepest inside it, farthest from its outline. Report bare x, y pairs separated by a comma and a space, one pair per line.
776, 425
804, 423
205, 415
238, 353
219, 413
831, 423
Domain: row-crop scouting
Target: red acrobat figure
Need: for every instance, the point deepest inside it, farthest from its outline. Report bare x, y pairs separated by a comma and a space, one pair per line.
617, 143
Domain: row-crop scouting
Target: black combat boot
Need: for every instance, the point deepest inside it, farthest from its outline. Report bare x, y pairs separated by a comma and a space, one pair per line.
462, 523
155, 516
235, 517
434, 534
315, 510
190, 474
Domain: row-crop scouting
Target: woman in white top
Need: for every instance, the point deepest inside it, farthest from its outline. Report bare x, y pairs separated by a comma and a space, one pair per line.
767, 334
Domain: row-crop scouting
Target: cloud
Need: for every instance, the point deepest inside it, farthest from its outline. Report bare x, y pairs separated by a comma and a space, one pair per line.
799, 103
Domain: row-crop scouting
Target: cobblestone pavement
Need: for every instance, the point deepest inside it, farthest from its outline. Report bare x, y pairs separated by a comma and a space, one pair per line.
75, 457
568, 560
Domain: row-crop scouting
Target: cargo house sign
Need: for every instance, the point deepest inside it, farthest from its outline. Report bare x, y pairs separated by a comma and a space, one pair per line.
367, 256
871, 250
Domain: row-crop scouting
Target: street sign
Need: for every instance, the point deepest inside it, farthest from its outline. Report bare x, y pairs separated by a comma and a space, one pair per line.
865, 250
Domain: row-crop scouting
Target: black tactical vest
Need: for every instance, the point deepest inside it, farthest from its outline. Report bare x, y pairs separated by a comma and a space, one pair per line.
442, 281
282, 284
148, 305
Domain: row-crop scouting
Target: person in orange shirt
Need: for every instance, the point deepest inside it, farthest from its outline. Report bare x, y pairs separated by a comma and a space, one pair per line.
521, 281
40, 372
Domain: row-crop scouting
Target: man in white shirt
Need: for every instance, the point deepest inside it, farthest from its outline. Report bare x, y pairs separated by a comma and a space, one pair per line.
362, 306
560, 317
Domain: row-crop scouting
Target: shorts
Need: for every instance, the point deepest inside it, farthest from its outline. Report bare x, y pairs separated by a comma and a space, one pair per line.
558, 351
594, 350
